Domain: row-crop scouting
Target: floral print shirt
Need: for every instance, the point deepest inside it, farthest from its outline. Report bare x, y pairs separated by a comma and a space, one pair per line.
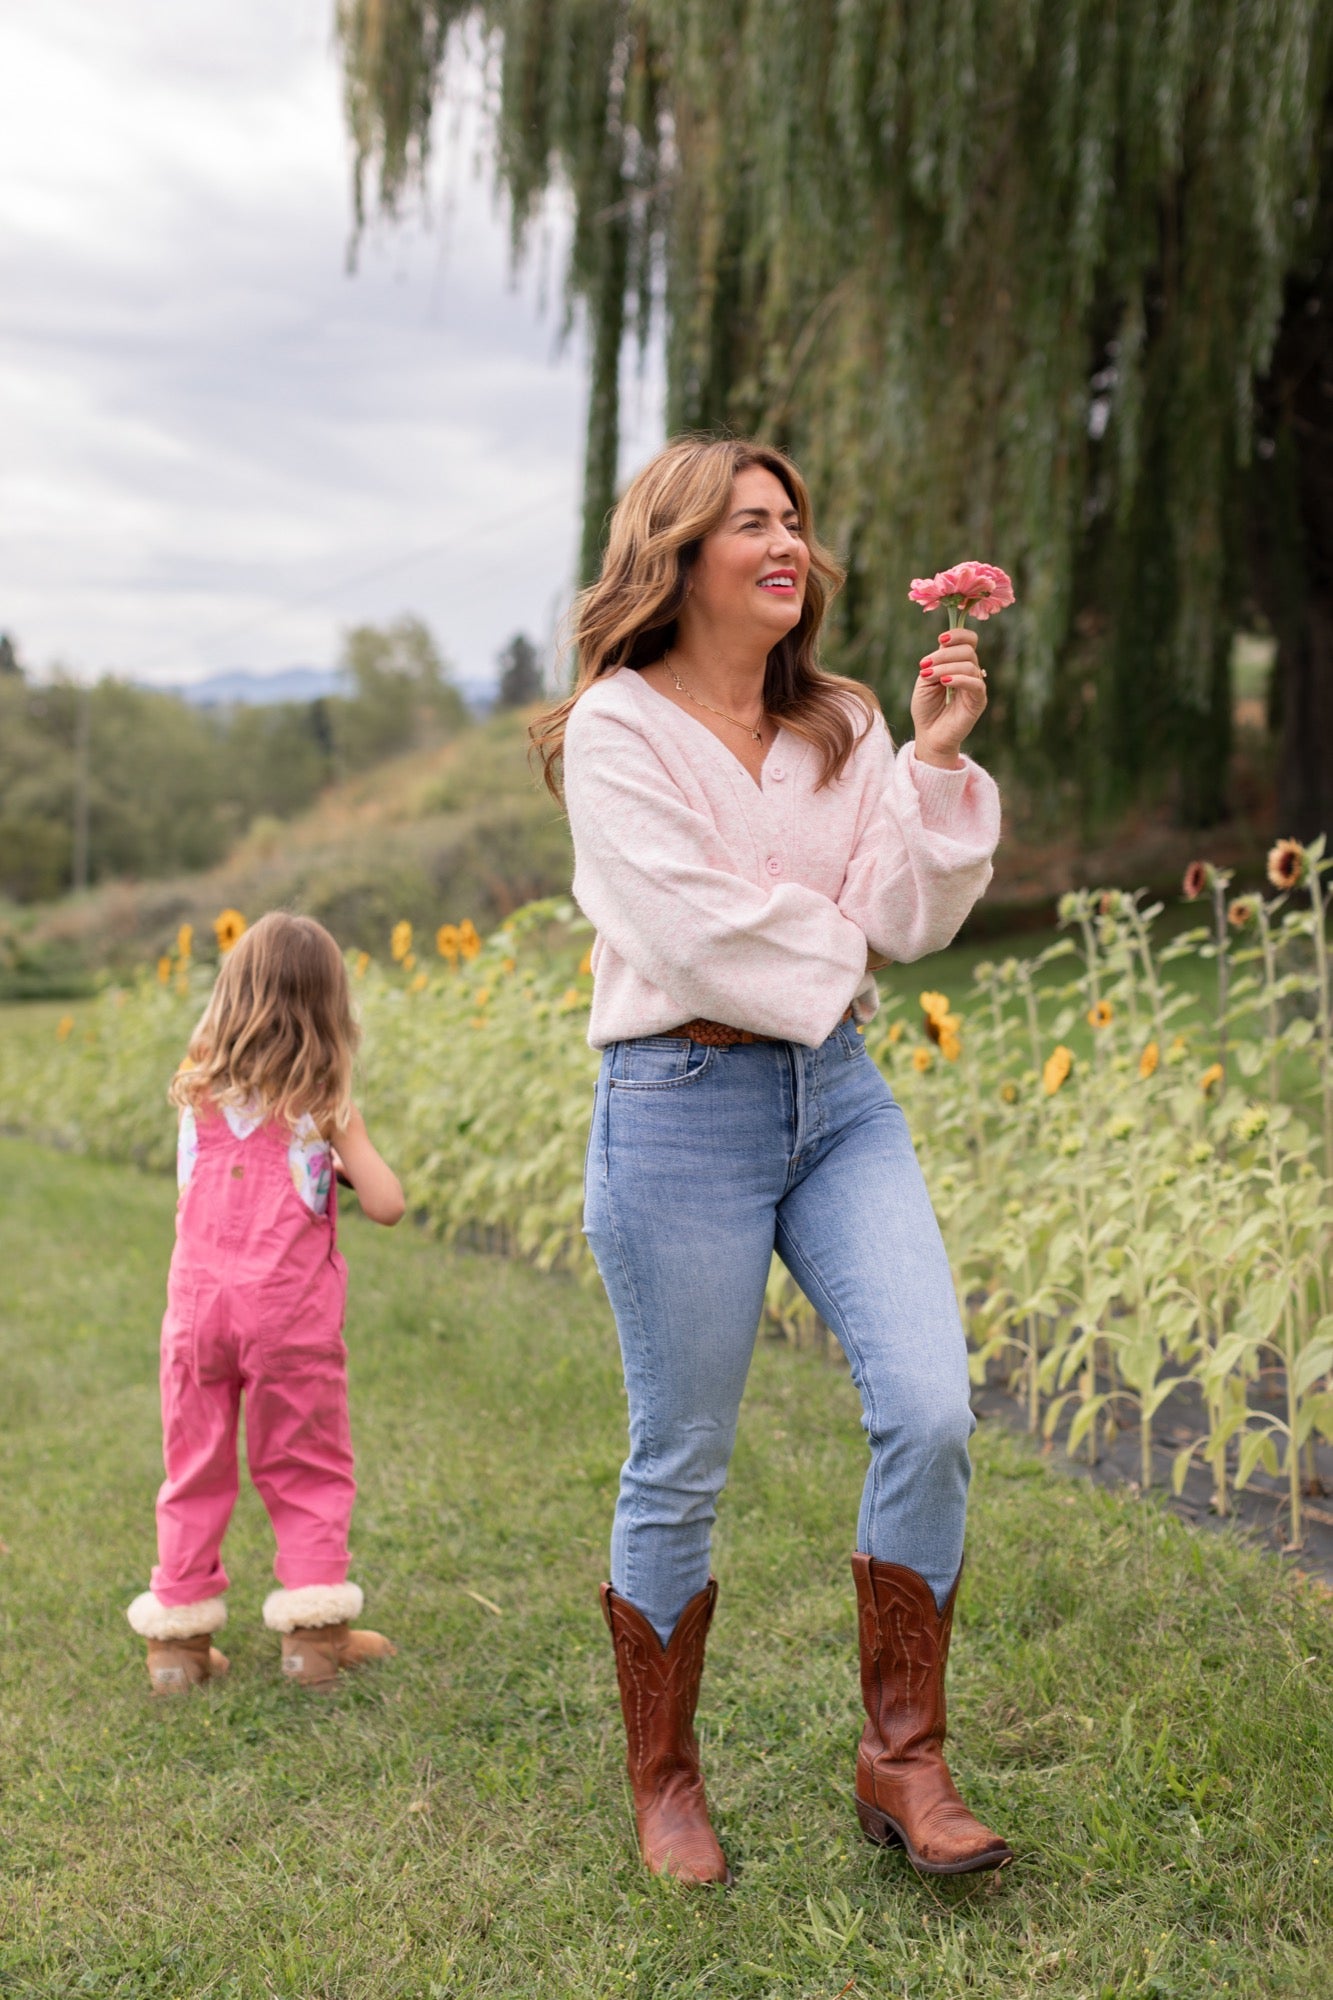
308, 1158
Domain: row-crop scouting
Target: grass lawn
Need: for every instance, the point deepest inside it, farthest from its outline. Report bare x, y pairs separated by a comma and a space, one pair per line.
1144, 1713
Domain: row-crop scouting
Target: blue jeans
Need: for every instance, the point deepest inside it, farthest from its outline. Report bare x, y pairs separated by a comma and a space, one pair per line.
700, 1163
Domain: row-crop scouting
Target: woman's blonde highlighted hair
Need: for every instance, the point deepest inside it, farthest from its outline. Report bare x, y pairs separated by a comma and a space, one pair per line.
277, 1036
627, 618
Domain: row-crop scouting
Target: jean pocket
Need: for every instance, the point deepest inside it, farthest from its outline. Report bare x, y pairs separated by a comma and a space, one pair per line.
659, 1062
849, 1036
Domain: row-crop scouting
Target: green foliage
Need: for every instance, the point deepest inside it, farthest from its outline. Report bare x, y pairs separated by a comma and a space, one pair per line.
401, 694
1124, 1215
1004, 274
171, 787
520, 673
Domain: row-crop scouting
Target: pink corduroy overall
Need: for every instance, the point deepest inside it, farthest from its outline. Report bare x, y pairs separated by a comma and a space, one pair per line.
255, 1303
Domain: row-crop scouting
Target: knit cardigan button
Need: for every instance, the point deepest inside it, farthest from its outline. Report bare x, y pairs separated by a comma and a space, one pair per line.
774, 865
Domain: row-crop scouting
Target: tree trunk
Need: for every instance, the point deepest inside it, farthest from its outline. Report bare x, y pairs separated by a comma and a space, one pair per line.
1293, 534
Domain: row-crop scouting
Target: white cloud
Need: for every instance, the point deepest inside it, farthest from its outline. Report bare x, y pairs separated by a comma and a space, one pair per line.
219, 448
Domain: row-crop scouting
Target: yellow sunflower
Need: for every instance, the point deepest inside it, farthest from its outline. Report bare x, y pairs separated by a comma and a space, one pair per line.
228, 929
1101, 1015
1056, 1068
1212, 1075
400, 939
469, 942
1149, 1060
446, 942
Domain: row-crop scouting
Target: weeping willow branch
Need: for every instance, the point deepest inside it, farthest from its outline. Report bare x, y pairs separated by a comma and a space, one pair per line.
1003, 274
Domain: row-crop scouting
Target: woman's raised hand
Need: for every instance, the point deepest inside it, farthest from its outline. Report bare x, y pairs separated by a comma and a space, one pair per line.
942, 725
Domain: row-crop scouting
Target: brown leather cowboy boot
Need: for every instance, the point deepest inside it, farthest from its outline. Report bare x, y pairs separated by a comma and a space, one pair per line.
903, 1788
659, 1688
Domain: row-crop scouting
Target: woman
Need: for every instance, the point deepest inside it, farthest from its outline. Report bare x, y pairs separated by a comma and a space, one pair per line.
749, 847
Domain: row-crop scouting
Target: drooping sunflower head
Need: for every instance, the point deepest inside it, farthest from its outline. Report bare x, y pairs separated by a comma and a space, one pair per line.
1195, 881
1286, 864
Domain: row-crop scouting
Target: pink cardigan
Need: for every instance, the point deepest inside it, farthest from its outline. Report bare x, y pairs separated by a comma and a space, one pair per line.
754, 904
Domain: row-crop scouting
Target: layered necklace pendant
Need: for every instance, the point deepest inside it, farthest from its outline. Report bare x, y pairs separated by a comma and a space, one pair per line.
756, 735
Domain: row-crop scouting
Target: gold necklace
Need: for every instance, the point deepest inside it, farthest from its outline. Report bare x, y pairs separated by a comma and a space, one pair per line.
756, 735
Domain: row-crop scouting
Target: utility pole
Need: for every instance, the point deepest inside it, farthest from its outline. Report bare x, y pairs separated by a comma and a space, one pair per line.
82, 727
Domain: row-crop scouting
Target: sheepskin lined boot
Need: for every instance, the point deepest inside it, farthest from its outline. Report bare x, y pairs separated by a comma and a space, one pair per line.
179, 1653
659, 1690
317, 1641
904, 1792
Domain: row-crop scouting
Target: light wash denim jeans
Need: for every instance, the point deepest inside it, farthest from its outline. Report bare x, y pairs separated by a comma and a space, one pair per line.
700, 1162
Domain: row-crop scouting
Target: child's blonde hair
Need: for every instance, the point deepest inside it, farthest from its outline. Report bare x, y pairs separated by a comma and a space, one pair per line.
277, 1036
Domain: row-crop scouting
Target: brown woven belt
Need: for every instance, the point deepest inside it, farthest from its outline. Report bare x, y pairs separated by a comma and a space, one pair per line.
717, 1035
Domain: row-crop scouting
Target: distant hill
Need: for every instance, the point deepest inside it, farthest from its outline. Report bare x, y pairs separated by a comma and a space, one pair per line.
242, 687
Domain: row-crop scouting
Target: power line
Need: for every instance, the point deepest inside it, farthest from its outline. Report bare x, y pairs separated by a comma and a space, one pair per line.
226, 633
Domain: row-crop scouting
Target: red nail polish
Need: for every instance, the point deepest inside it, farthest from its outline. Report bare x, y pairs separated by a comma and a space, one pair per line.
926, 671
926, 661
946, 638
946, 678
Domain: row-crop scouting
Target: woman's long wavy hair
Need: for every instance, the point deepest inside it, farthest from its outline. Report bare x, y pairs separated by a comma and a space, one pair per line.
627, 618
278, 1036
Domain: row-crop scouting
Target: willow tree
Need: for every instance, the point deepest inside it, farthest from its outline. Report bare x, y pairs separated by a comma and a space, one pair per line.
1040, 280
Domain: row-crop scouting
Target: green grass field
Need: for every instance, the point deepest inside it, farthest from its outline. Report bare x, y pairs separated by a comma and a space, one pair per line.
1146, 1714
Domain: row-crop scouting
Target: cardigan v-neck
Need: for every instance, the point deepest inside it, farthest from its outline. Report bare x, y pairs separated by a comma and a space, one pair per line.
755, 904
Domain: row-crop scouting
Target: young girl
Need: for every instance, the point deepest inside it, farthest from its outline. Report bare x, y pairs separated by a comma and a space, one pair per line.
256, 1298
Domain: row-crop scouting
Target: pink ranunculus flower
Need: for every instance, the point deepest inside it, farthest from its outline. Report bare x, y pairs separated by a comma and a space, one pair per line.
974, 589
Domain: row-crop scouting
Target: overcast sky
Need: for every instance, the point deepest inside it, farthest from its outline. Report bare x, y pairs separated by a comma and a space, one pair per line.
218, 448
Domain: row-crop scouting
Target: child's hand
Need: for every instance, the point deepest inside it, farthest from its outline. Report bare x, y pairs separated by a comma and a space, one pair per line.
358, 1164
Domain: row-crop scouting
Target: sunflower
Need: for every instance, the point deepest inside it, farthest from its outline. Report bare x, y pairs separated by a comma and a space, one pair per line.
228, 929
446, 942
64, 1027
922, 1059
951, 1046
1009, 1092
1213, 1074
942, 1028
1196, 880
1286, 864
469, 942
896, 1032
417, 985
585, 963
400, 939
1241, 911
361, 964
409, 962
1056, 1068
934, 1005
1149, 1060
185, 940
164, 970
1100, 1015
